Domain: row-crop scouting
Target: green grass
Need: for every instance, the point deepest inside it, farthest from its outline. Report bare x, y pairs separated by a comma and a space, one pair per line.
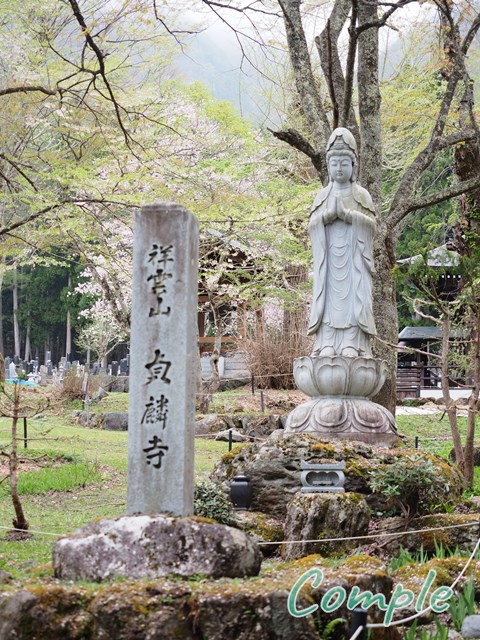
90, 484
59, 478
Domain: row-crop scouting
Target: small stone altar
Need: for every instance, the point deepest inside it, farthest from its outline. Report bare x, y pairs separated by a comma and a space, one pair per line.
341, 375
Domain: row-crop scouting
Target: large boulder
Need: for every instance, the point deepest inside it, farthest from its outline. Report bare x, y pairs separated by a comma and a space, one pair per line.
115, 421
273, 467
313, 516
153, 546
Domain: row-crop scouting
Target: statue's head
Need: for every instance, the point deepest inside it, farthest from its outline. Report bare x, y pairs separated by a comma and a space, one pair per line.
342, 144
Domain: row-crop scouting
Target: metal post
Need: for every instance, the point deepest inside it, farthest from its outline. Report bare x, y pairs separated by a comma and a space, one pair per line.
230, 440
416, 442
253, 385
358, 630
262, 401
24, 433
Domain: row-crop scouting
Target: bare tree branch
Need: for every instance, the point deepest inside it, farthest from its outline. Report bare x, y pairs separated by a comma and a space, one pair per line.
440, 196
295, 139
28, 89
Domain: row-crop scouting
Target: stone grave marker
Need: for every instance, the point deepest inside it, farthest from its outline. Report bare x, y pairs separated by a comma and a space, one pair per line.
163, 354
43, 375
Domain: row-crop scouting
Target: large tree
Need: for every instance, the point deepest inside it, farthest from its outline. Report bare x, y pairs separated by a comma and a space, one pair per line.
345, 90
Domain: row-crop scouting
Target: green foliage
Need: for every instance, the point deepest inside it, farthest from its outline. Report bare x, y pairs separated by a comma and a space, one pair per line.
420, 557
412, 484
463, 604
438, 633
406, 557
63, 477
211, 502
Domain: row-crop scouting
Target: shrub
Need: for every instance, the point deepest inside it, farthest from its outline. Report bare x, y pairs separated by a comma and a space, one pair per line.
211, 502
270, 357
411, 484
72, 386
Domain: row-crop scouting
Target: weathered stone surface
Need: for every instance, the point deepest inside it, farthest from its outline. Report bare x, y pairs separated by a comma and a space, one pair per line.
100, 395
313, 516
153, 546
115, 421
161, 411
209, 424
195, 610
413, 576
344, 418
273, 467
471, 627
89, 419
224, 436
476, 456
119, 385
268, 619
249, 424
112, 421
445, 532
5, 577
12, 608
261, 528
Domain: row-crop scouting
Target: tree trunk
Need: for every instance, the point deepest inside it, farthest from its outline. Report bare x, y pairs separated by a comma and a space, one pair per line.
20, 521
68, 338
27, 344
16, 326
450, 407
385, 311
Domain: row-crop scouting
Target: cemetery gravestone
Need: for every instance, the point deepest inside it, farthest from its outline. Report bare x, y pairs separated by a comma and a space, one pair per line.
123, 367
43, 375
164, 349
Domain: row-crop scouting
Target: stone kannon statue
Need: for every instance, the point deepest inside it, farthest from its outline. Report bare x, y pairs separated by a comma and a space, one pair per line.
341, 374
341, 229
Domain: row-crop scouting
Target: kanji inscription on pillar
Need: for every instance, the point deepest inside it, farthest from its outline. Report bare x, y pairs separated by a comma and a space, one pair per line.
163, 354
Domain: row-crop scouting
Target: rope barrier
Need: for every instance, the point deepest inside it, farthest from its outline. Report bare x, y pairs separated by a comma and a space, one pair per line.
380, 535
421, 613
375, 535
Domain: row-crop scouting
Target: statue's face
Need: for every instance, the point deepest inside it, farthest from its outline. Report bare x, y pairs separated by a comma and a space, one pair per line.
340, 169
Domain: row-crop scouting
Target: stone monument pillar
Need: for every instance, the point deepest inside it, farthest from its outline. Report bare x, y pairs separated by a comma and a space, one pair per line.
164, 350
153, 539
341, 374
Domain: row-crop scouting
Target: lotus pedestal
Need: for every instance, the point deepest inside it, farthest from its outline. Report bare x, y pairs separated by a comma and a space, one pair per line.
340, 407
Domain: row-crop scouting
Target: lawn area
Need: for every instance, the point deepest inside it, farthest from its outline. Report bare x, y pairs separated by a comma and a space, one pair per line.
92, 481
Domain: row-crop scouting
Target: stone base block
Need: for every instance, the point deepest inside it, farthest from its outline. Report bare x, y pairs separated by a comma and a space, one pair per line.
313, 516
151, 546
344, 417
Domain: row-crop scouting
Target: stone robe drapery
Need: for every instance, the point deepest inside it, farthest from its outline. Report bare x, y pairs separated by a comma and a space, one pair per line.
342, 313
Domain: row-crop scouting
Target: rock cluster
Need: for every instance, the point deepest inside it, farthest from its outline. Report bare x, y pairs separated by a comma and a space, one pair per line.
192, 610
273, 467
